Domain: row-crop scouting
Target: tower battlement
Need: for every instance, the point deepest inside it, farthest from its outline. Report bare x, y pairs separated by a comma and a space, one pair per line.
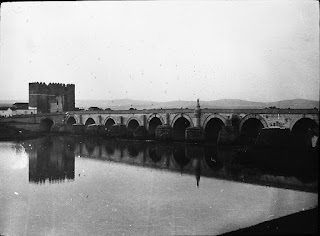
52, 97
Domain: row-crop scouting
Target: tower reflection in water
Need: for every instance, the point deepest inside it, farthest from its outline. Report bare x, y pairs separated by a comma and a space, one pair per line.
52, 159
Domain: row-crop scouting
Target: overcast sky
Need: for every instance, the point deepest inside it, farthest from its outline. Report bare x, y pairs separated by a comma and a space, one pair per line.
163, 50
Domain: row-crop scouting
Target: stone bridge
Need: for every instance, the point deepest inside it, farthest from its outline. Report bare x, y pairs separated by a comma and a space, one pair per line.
182, 124
209, 121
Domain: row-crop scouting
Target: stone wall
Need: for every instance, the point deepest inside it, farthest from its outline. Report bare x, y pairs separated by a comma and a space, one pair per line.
42, 96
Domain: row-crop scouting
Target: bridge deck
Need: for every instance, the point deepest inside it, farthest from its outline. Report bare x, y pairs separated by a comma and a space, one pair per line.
205, 110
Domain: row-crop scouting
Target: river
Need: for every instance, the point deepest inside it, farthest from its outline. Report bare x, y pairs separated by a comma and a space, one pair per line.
72, 185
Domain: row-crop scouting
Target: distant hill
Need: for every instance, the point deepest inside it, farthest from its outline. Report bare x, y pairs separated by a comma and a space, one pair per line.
124, 104
9, 103
295, 104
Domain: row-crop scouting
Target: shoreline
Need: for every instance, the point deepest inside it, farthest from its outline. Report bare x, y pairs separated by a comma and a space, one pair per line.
300, 223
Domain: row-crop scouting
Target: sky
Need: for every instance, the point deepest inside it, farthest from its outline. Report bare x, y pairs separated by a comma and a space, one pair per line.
260, 51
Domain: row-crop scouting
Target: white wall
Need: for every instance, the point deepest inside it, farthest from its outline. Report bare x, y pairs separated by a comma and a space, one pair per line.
6, 113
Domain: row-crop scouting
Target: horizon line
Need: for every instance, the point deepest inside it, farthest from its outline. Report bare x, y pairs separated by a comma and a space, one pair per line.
23, 100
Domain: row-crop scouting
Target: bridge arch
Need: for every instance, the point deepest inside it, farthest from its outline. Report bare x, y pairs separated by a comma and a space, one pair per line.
223, 119
132, 124
182, 115
71, 120
212, 127
304, 130
153, 122
253, 116
108, 122
155, 115
179, 124
250, 126
46, 124
89, 121
306, 121
132, 121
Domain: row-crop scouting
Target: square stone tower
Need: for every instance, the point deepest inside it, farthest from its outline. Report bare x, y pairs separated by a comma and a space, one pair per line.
53, 97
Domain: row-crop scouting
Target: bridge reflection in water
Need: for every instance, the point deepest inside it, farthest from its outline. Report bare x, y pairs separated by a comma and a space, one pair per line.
53, 159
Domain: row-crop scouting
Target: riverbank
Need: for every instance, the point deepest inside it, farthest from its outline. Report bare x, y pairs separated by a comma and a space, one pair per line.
11, 133
300, 223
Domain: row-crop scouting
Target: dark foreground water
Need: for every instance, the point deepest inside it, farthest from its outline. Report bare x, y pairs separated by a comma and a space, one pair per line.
86, 186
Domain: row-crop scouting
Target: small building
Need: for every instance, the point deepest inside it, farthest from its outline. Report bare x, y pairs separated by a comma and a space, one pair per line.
21, 105
5, 111
19, 112
22, 108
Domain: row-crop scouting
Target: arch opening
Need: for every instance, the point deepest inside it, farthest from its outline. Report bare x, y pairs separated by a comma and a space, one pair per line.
71, 120
110, 122
46, 124
132, 125
153, 124
212, 129
179, 128
89, 121
305, 132
250, 131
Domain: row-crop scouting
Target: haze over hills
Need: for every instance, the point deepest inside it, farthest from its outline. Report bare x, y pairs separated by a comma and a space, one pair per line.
124, 104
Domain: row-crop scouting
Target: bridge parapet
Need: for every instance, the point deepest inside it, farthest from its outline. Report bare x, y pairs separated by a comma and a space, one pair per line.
203, 110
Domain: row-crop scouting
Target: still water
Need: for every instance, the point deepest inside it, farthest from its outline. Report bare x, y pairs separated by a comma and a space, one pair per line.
87, 186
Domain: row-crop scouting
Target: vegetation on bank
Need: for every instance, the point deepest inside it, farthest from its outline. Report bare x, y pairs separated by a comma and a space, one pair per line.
8, 132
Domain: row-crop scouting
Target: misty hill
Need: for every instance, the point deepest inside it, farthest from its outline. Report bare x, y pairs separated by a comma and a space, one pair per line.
295, 104
124, 104
9, 103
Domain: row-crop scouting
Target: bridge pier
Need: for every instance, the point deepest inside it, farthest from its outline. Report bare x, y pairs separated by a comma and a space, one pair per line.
80, 119
78, 129
99, 119
140, 133
195, 134
165, 132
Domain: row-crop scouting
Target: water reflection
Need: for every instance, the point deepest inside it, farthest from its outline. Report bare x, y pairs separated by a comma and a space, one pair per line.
154, 193
197, 170
212, 159
154, 154
53, 158
180, 158
133, 151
